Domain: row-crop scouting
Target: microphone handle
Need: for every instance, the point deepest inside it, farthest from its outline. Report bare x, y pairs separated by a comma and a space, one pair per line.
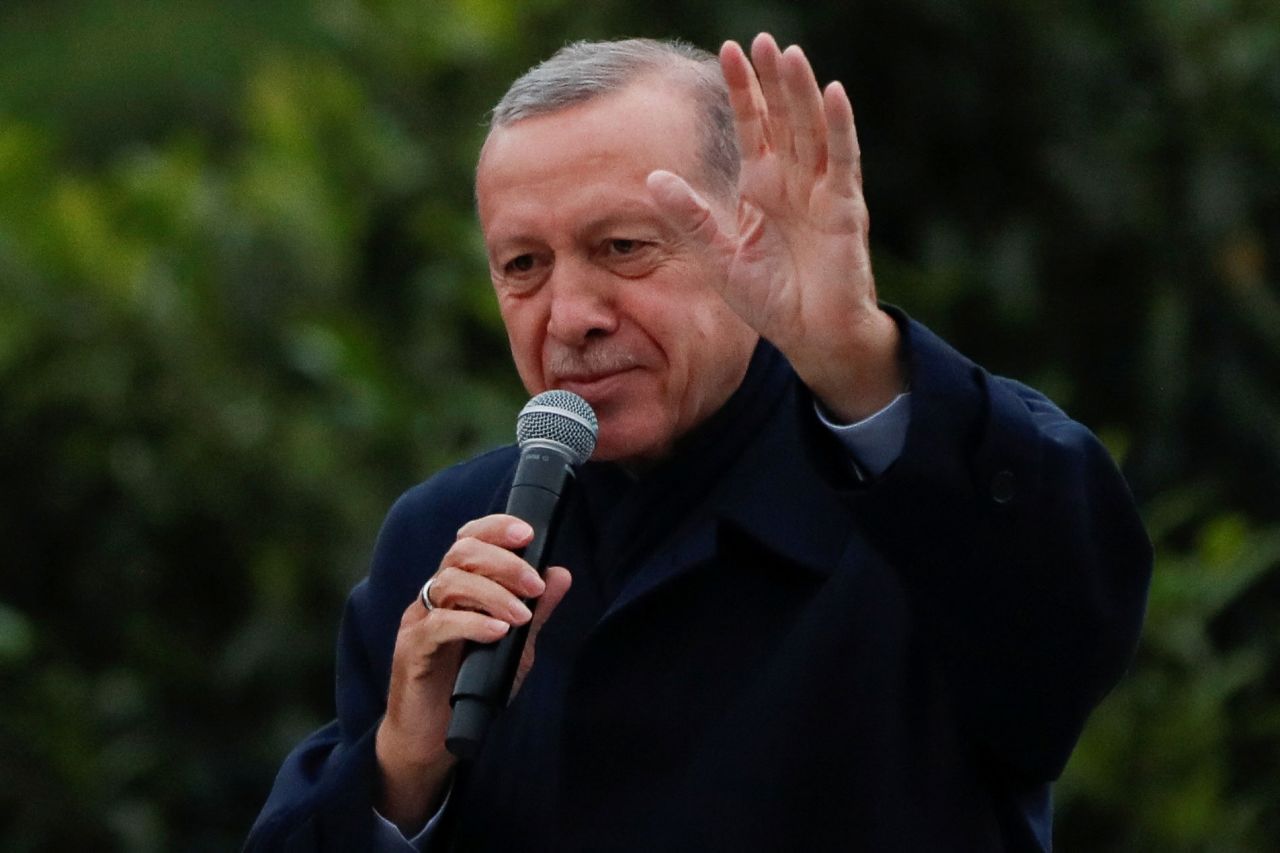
488, 670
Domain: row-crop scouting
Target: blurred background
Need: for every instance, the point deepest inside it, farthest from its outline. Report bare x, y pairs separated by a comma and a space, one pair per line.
243, 306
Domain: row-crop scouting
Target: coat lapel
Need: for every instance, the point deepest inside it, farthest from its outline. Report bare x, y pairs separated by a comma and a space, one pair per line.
773, 495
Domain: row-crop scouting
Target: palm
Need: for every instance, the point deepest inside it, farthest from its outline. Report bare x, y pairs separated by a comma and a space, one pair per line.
793, 235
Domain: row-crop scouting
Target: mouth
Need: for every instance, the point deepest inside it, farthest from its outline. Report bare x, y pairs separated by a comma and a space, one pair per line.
593, 387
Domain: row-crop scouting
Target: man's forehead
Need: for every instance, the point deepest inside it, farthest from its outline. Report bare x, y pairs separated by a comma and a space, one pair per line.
661, 99
591, 216
619, 137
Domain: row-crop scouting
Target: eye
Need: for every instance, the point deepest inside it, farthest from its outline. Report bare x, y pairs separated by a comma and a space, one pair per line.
520, 263
625, 247
628, 256
521, 272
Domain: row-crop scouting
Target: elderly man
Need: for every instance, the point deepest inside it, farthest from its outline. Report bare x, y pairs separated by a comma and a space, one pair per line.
834, 586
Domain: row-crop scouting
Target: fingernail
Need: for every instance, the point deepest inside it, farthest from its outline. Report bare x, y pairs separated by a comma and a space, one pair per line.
498, 625
519, 530
521, 613
533, 585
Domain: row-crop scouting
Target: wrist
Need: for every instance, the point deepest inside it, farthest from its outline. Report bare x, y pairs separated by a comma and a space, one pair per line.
412, 782
855, 371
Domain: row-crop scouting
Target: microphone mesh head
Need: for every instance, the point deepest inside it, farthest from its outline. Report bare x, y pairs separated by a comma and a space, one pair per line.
561, 417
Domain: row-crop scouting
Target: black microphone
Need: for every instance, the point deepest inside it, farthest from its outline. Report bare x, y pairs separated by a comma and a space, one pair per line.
556, 430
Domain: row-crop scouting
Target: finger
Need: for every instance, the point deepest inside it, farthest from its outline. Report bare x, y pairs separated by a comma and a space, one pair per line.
456, 589
441, 627
749, 114
494, 562
686, 210
498, 529
766, 58
558, 581
844, 158
809, 125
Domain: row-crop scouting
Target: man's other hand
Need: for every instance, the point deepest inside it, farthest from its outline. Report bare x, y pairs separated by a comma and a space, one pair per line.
798, 267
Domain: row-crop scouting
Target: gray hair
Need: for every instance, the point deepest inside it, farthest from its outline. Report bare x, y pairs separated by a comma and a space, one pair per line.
584, 70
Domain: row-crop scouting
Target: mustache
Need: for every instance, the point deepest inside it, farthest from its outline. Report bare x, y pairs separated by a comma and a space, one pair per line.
593, 361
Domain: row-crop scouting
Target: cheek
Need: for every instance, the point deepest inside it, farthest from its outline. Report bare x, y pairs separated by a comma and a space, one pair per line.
525, 336
719, 345
686, 324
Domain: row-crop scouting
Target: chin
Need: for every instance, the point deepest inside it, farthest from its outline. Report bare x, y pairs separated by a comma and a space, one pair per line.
640, 446
625, 454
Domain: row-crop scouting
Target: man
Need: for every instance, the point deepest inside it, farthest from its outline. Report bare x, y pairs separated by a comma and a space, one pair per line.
810, 608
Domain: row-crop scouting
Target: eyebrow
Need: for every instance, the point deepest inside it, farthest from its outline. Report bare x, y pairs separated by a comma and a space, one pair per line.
630, 215
626, 214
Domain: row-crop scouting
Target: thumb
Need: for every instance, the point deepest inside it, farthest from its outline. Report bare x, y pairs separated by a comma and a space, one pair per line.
558, 580
686, 210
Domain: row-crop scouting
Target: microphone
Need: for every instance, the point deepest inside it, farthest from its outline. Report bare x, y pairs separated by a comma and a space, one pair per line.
556, 430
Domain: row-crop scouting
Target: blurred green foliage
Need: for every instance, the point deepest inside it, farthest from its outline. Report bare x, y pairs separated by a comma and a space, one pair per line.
243, 306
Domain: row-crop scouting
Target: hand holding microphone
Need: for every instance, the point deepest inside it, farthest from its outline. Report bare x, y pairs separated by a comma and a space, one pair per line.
481, 593
556, 431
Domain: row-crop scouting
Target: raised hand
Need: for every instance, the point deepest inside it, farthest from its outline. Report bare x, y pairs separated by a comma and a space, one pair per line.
798, 267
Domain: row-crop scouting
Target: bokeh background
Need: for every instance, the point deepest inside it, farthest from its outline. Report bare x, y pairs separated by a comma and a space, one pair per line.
243, 306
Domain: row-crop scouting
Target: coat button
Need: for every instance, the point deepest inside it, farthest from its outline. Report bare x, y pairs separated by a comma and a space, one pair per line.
1003, 487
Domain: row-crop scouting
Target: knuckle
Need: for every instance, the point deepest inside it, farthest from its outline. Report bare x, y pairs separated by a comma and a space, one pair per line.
471, 553
439, 628
472, 527
465, 530
445, 597
460, 548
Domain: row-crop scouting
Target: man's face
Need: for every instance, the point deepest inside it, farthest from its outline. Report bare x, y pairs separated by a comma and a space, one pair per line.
600, 296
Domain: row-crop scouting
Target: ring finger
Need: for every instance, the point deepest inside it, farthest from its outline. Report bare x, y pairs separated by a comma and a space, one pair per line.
455, 589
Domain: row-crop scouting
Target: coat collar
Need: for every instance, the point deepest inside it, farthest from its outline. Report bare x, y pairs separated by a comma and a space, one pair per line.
786, 492
779, 494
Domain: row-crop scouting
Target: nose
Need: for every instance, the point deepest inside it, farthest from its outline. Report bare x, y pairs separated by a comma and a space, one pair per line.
582, 304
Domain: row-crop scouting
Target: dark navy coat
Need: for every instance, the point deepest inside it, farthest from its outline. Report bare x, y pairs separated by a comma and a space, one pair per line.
801, 661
